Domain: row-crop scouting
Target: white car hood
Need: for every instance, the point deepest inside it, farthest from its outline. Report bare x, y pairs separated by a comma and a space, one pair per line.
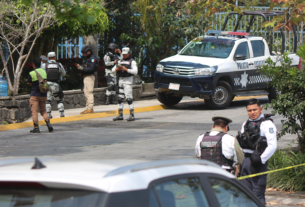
191, 61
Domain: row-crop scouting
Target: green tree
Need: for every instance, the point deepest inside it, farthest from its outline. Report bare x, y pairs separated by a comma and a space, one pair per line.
290, 102
72, 11
164, 27
22, 25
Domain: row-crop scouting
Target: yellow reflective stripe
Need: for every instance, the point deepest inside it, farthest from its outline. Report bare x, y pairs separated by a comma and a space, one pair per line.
271, 171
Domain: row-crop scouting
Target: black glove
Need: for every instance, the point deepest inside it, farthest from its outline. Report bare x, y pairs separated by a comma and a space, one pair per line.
256, 162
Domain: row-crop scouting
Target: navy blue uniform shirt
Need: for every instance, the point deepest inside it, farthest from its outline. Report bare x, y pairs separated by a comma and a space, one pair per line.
92, 65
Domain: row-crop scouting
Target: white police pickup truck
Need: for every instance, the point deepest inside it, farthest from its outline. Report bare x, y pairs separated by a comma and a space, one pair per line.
216, 68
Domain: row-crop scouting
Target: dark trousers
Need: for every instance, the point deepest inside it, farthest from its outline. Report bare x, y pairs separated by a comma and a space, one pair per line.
256, 184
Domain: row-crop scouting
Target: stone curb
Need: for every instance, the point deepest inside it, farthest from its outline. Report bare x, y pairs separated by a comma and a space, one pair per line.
285, 201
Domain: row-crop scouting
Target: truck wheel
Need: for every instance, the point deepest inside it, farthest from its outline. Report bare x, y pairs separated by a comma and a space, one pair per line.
273, 93
222, 96
168, 99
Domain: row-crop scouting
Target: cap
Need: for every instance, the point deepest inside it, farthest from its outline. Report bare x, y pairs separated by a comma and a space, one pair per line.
225, 119
125, 50
51, 54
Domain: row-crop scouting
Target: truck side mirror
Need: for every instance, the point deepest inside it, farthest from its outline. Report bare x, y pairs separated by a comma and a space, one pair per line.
240, 57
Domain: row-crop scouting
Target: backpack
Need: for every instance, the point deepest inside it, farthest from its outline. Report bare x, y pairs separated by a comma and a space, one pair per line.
43, 84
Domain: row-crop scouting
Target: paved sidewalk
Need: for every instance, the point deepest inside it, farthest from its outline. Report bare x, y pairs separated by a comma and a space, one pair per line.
137, 104
281, 198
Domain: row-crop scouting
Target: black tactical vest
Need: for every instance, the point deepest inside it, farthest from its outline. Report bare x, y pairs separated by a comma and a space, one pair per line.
251, 138
53, 73
211, 149
113, 57
127, 64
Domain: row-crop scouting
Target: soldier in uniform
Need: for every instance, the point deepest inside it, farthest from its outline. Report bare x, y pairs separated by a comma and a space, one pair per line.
55, 72
88, 68
125, 70
110, 59
218, 146
258, 141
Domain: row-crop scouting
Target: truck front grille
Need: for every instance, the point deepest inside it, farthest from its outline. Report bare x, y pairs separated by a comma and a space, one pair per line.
182, 82
179, 71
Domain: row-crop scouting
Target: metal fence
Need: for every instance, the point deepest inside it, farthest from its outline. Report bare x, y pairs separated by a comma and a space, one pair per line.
72, 47
257, 28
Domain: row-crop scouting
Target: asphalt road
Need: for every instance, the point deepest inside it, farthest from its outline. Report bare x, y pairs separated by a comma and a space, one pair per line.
164, 134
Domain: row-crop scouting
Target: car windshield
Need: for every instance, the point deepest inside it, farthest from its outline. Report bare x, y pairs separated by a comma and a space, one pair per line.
209, 47
29, 197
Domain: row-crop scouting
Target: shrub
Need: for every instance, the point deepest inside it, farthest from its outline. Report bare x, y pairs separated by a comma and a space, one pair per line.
288, 180
290, 103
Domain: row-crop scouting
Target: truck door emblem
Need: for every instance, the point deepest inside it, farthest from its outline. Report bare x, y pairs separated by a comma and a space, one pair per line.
176, 71
244, 80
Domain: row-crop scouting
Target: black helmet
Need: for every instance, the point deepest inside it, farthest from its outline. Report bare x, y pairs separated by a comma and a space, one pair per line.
113, 46
86, 48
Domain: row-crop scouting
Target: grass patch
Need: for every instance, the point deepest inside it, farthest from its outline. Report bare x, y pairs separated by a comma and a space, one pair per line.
288, 180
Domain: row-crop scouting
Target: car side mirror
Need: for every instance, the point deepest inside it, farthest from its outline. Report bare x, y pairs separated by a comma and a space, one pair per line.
240, 57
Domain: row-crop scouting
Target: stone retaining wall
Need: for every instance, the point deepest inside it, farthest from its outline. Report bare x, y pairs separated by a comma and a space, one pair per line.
13, 110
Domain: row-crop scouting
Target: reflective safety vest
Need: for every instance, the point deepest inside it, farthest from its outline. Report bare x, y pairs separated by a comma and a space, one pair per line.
53, 73
41, 71
211, 149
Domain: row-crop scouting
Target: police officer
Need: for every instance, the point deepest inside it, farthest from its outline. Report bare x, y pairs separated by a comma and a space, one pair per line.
125, 70
218, 146
55, 72
258, 141
88, 68
110, 59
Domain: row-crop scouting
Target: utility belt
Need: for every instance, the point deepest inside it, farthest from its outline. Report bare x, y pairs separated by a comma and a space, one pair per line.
88, 75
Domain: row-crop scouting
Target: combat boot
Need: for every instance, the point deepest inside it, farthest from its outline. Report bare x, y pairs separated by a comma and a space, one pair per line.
49, 126
62, 113
83, 112
120, 116
89, 111
50, 115
131, 117
36, 129
107, 102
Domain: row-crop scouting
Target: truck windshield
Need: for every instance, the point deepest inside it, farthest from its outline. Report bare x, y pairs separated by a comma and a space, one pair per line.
29, 197
209, 47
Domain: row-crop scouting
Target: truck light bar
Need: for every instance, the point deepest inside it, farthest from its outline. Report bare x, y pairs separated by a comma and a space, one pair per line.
239, 33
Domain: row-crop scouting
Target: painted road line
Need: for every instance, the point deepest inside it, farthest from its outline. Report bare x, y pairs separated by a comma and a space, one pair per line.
82, 117
97, 115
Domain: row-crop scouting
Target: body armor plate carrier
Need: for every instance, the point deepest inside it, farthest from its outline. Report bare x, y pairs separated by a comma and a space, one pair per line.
127, 64
211, 149
53, 74
251, 138
113, 57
